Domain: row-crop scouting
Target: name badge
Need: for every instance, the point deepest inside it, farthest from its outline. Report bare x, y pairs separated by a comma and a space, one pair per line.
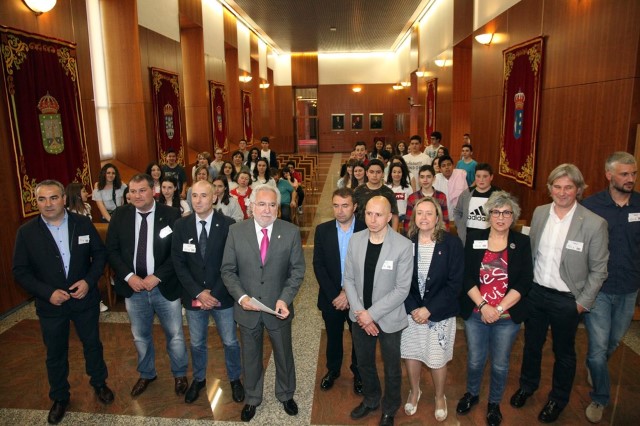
634, 217
189, 248
83, 239
165, 231
387, 265
481, 244
575, 245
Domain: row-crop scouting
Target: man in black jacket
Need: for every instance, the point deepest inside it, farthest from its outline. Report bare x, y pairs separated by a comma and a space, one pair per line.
329, 252
59, 258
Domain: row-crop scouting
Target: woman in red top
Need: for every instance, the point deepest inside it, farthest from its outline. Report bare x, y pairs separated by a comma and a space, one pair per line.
243, 191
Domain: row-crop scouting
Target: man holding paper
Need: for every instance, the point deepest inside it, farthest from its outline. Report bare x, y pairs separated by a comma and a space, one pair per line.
263, 259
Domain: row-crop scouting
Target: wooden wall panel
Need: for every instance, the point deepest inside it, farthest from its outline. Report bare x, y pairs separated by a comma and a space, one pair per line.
230, 29
190, 13
304, 70
283, 114
461, 97
462, 20
374, 98
234, 107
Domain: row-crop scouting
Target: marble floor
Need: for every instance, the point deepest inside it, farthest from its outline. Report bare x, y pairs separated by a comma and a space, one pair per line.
23, 385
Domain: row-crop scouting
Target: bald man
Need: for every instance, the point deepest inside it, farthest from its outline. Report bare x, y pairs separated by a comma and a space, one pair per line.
377, 278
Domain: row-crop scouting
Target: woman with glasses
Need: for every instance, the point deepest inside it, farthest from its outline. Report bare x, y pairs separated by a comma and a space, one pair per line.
498, 275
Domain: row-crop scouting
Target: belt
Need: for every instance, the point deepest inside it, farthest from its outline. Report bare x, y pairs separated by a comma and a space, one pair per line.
554, 291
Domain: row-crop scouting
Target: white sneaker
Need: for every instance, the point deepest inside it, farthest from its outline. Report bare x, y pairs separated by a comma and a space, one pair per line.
594, 412
103, 307
184, 312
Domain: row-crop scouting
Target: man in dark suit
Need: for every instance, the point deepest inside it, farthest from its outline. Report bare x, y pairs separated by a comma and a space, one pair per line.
197, 248
139, 247
59, 258
377, 279
569, 245
263, 259
329, 253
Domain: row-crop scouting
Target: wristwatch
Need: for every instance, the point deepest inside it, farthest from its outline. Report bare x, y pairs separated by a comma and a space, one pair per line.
500, 309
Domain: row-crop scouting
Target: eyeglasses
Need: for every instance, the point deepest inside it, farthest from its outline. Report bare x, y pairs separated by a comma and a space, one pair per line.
497, 213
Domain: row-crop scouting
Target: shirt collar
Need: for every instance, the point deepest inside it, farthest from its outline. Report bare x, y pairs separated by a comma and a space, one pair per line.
64, 220
151, 210
351, 228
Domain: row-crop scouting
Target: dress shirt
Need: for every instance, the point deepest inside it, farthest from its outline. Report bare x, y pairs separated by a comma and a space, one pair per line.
546, 270
343, 242
207, 226
150, 229
60, 235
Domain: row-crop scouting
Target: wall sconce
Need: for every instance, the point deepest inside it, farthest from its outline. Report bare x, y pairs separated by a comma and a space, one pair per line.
264, 85
443, 62
397, 87
405, 83
485, 39
245, 78
356, 89
40, 6
420, 74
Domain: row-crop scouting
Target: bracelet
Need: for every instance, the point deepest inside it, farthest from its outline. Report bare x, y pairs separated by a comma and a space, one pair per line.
484, 302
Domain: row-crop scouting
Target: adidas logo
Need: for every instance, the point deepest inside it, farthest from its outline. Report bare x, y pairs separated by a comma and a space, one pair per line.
478, 214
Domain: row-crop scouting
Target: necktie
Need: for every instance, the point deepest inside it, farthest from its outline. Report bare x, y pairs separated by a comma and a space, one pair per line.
264, 245
141, 254
202, 241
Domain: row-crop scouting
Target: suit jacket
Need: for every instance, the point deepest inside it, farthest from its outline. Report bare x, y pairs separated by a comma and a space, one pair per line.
519, 271
195, 273
121, 242
278, 279
391, 282
326, 262
583, 271
444, 280
38, 267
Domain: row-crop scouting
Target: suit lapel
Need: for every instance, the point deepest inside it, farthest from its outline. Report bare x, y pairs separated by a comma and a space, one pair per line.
252, 238
333, 244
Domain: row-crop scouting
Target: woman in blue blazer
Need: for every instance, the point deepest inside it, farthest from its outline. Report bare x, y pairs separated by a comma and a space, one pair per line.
498, 274
432, 304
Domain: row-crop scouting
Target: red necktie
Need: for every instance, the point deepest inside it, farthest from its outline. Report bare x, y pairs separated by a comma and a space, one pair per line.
264, 245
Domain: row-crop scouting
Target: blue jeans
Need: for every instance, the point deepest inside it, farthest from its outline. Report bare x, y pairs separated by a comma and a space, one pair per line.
606, 324
198, 330
141, 308
483, 339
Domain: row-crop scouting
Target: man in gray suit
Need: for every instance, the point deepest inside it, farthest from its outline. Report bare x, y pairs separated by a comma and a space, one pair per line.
377, 279
263, 259
570, 251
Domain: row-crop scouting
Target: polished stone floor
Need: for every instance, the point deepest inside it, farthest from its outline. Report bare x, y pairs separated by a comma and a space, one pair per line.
23, 385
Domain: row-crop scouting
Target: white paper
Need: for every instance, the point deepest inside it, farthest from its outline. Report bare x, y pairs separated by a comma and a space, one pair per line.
264, 308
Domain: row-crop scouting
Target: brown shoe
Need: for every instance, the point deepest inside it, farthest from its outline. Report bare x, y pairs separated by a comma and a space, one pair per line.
141, 386
181, 385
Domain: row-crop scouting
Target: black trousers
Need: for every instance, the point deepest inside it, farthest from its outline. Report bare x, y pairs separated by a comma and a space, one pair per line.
334, 324
55, 333
559, 310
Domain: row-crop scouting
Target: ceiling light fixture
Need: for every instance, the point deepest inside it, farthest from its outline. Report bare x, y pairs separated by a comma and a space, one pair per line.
245, 78
40, 6
485, 39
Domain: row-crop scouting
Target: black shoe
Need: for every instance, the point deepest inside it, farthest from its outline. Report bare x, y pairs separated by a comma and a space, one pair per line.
248, 411
237, 390
362, 410
141, 386
181, 385
550, 412
357, 385
290, 407
328, 379
57, 411
520, 398
466, 402
194, 390
105, 395
494, 416
386, 420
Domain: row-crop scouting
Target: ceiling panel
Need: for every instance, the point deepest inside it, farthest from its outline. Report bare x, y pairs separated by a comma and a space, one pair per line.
304, 25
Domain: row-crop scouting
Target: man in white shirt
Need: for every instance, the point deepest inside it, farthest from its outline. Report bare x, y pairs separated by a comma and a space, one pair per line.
569, 244
452, 182
416, 158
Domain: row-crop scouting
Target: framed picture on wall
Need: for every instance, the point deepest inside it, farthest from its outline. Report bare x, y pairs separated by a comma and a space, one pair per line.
376, 121
337, 122
356, 121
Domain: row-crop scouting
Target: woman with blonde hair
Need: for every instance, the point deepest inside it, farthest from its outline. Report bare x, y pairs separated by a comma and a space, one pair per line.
432, 304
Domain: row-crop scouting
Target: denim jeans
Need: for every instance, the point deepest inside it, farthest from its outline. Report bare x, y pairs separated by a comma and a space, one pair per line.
198, 331
495, 340
141, 308
606, 324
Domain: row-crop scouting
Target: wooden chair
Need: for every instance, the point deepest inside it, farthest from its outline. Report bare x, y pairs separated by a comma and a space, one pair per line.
111, 297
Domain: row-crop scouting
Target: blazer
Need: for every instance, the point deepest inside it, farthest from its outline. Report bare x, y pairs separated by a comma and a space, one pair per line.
519, 271
121, 248
391, 282
326, 262
583, 271
38, 267
444, 280
195, 273
278, 279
